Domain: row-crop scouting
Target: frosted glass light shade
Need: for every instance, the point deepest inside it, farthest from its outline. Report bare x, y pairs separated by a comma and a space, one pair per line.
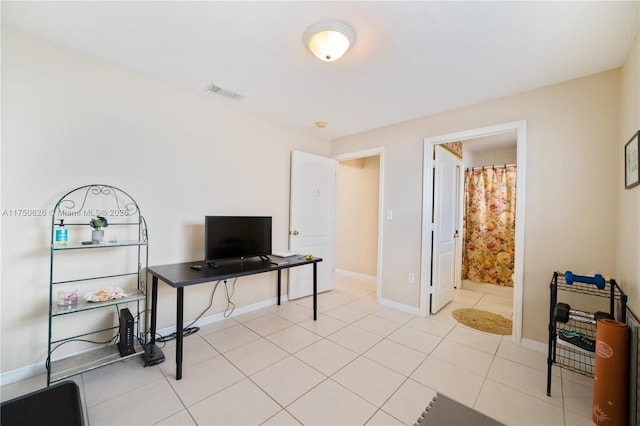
329, 40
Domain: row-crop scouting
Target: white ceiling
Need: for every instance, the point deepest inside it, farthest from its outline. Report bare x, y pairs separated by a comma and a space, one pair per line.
410, 59
496, 141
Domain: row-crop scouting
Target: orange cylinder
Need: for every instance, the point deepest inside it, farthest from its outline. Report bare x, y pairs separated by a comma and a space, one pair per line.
611, 374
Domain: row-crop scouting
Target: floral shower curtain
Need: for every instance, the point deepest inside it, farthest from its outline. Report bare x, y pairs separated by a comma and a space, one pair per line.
489, 229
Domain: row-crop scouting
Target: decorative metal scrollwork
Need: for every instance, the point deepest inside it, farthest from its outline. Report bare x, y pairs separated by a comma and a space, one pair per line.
143, 230
75, 202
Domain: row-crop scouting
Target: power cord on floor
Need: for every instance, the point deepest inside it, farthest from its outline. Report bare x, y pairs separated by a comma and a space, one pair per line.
189, 329
185, 332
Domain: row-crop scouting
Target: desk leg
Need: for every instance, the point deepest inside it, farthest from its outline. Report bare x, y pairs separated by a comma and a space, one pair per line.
154, 308
179, 331
279, 276
153, 355
315, 291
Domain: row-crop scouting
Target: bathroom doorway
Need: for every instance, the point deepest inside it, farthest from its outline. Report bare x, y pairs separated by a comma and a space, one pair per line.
519, 128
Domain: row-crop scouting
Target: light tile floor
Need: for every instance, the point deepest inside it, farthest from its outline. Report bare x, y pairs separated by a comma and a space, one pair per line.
360, 363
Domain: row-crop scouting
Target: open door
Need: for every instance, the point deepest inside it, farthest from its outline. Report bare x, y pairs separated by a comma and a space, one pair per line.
520, 127
312, 215
447, 227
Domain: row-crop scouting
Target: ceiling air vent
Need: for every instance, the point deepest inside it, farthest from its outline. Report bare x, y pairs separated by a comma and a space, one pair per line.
214, 88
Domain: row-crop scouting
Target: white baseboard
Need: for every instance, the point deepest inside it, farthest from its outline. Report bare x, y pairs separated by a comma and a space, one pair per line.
220, 315
535, 345
358, 275
400, 306
23, 373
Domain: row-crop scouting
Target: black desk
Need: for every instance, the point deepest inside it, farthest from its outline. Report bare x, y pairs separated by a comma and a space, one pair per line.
180, 275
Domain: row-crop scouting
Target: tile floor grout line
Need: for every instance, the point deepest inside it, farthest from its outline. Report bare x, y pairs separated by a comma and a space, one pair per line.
521, 359
484, 380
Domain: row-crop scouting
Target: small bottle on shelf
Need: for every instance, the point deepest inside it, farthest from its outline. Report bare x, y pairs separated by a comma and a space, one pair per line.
62, 235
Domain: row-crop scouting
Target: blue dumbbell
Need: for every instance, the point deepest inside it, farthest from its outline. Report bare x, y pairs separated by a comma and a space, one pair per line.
597, 280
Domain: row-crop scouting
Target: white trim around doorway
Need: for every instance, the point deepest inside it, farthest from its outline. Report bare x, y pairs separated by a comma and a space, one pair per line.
371, 153
427, 200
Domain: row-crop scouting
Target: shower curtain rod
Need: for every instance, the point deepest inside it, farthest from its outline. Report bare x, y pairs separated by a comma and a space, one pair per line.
497, 166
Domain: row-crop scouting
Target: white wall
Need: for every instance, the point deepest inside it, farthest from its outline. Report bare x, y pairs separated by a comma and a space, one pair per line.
468, 156
69, 120
493, 157
357, 195
572, 163
628, 217
170, 148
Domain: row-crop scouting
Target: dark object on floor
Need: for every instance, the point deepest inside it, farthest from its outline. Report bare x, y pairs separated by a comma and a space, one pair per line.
127, 323
57, 405
444, 411
152, 355
576, 340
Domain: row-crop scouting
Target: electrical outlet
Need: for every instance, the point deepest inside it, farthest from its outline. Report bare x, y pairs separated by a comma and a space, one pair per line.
389, 215
412, 278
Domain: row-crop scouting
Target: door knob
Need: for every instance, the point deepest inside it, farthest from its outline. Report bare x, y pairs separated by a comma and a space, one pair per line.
295, 232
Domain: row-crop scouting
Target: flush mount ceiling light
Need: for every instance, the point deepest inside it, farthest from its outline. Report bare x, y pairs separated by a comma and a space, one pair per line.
329, 40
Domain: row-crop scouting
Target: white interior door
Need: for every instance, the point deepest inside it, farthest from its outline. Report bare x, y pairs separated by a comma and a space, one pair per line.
447, 190
312, 218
